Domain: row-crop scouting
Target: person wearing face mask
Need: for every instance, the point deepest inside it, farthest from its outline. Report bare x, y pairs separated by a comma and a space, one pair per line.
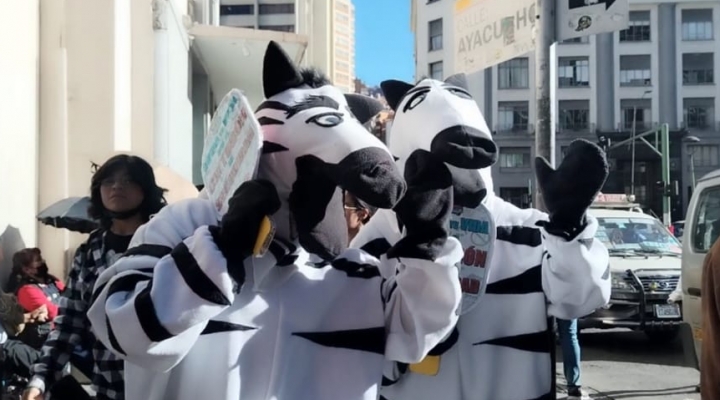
35, 287
357, 214
123, 196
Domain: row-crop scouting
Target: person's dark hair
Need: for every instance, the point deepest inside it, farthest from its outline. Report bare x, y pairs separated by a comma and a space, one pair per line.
359, 204
141, 172
21, 259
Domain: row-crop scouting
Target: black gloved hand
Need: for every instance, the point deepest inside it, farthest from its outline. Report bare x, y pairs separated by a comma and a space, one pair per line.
425, 209
238, 230
570, 190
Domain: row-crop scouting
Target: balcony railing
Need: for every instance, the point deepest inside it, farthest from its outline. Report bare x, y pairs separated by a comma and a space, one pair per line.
699, 126
640, 126
574, 127
524, 128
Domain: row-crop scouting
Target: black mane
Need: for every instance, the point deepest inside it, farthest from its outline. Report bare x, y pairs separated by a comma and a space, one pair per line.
314, 78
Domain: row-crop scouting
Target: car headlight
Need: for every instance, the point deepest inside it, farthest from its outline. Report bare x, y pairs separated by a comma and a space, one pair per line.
619, 282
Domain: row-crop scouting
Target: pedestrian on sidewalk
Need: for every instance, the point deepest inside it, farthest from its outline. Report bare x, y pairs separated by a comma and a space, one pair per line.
570, 345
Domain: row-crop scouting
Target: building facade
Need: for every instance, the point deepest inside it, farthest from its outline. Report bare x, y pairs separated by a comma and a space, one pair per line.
328, 24
663, 69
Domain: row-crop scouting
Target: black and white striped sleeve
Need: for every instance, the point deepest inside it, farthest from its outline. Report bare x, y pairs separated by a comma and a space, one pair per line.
150, 307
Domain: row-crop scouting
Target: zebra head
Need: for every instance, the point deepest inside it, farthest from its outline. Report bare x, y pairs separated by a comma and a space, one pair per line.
314, 147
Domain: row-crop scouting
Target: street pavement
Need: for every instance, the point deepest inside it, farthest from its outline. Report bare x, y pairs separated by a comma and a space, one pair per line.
619, 365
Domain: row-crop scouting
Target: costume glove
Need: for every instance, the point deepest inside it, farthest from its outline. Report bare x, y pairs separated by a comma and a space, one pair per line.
425, 209
238, 230
569, 190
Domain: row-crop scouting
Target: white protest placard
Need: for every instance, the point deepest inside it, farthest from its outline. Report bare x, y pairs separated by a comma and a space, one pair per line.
488, 32
232, 149
475, 229
576, 18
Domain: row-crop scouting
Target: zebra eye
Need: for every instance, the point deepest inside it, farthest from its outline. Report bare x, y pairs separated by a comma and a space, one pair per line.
460, 93
415, 100
326, 120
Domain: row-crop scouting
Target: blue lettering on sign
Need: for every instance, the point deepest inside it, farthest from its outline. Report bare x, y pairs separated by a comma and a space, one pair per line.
454, 225
474, 226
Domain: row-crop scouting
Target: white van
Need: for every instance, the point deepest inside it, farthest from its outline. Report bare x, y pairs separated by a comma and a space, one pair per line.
701, 230
645, 263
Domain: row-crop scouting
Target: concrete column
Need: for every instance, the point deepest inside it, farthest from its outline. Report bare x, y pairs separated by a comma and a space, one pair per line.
142, 64
488, 101
604, 56
667, 88
53, 155
19, 44
201, 121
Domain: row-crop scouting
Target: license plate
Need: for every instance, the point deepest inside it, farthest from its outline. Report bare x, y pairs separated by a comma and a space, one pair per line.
667, 310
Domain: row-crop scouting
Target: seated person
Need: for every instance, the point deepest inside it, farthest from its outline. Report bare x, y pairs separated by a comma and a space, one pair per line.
17, 357
35, 287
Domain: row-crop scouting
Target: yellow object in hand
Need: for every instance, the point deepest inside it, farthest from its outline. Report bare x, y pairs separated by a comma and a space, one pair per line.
430, 365
265, 237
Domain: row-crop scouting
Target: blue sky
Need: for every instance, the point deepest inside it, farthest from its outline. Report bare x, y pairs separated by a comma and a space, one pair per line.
383, 41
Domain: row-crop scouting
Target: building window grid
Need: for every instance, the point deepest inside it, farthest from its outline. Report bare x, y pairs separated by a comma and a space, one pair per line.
642, 117
635, 70
638, 29
514, 157
436, 70
574, 119
278, 28
435, 35
514, 74
697, 24
705, 156
573, 72
512, 117
287, 8
697, 71
240, 9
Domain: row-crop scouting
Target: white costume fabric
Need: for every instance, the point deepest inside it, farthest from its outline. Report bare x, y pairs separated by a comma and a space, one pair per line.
297, 329
502, 348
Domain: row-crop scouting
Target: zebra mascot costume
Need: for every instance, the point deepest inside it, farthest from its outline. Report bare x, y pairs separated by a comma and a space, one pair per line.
196, 317
535, 265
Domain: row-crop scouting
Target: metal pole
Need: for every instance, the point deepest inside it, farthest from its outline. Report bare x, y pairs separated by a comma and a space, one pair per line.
632, 160
544, 138
692, 169
665, 143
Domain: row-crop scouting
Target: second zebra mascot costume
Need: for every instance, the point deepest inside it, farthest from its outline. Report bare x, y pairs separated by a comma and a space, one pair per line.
536, 264
196, 317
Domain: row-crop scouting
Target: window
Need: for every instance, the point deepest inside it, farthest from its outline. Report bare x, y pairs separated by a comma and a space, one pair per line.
699, 112
577, 40
518, 196
513, 74
574, 114
512, 116
515, 157
436, 70
278, 28
635, 70
435, 35
705, 230
638, 29
704, 155
243, 9
277, 8
698, 68
638, 111
342, 66
573, 72
697, 24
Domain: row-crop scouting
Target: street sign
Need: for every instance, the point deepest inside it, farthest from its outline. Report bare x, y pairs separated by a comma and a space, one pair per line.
488, 32
576, 18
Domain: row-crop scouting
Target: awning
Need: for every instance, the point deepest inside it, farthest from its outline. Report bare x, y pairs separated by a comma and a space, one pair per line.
233, 57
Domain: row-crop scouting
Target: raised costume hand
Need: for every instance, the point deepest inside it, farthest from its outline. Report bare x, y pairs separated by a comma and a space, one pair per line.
425, 209
569, 190
238, 230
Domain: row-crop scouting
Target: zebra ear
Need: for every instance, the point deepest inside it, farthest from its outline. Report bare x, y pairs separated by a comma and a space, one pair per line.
459, 80
279, 71
363, 107
394, 91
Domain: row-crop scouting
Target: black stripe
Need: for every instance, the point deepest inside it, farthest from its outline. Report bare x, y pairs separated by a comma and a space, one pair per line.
278, 250
125, 283
224, 326
536, 342
370, 339
446, 344
145, 310
376, 247
271, 147
269, 121
195, 278
355, 270
551, 395
521, 235
273, 105
391, 291
529, 281
113, 340
152, 250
